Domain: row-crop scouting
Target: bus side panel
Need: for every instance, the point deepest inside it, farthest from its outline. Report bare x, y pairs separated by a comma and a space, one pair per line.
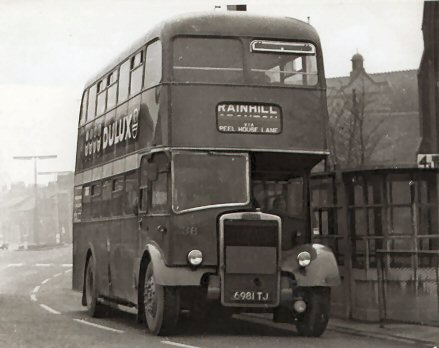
139, 123
194, 230
79, 254
122, 257
90, 236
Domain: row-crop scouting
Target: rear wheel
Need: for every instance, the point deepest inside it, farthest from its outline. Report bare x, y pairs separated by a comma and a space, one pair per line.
314, 320
161, 305
94, 308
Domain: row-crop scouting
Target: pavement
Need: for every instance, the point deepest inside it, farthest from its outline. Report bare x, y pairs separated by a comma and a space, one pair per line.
417, 335
421, 335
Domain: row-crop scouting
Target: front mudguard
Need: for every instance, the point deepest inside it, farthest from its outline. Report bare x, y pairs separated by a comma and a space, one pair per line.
322, 271
171, 276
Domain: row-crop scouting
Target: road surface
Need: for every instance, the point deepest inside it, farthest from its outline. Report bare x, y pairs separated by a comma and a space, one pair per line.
39, 309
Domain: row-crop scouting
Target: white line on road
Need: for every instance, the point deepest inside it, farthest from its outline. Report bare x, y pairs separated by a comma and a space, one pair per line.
68, 271
45, 281
43, 264
36, 289
15, 265
98, 326
51, 310
178, 344
57, 275
33, 297
66, 265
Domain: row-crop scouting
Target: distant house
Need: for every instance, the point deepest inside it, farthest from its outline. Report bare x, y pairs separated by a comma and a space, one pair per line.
374, 118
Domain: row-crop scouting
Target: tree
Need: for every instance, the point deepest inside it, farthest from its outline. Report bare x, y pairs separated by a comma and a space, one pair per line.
354, 128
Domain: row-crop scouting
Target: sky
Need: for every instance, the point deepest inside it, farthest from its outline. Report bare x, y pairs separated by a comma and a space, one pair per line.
50, 48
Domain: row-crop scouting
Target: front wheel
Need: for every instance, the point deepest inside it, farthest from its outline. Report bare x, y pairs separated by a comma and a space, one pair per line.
313, 321
161, 305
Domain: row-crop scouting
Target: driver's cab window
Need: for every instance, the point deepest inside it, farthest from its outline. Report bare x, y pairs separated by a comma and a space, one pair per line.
284, 197
155, 172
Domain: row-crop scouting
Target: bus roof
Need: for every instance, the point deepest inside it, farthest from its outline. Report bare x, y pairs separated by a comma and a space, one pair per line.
221, 24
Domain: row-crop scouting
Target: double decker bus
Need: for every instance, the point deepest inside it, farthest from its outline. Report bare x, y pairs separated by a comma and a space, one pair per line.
194, 154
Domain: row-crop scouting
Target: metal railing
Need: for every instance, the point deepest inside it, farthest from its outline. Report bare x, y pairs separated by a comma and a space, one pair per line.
408, 293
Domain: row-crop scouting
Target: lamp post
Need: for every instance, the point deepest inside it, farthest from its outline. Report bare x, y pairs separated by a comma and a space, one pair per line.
35, 158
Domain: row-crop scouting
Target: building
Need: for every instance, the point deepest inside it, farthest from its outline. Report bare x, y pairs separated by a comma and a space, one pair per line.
376, 209
53, 213
374, 118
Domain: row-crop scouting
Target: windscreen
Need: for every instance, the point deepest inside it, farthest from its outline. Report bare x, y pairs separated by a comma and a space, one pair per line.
202, 180
206, 59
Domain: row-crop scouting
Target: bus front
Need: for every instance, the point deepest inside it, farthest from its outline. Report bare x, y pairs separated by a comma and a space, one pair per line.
247, 123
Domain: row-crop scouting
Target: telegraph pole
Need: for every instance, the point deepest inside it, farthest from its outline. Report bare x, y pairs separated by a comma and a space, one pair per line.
35, 158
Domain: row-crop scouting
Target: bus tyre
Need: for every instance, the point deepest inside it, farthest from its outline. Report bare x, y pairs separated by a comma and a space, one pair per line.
94, 308
161, 305
313, 322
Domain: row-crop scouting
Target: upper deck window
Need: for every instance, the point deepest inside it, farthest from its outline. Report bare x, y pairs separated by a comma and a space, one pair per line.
283, 63
206, 59
136, 73
153, 64
91, 109
84, 108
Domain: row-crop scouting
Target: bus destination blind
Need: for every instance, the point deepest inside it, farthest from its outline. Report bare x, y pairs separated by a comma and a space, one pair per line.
249, 118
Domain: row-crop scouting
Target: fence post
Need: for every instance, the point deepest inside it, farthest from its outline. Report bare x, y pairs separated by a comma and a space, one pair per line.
381, 293
437, 281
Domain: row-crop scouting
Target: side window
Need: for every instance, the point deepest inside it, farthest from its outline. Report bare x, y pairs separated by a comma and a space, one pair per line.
83, 116
77, 204
91, 109
124, 79
131, 188
95, 193
102, 96
117, 196
159, 194
106, 198
136, 65
86, 202
112, 89
143, 199
153, 64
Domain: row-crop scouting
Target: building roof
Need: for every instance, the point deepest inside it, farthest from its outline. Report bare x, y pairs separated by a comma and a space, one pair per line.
401, 87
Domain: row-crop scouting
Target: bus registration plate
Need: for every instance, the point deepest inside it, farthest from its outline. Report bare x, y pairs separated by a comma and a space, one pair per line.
251, 296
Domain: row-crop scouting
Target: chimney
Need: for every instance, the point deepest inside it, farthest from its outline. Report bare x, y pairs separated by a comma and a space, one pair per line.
236, 7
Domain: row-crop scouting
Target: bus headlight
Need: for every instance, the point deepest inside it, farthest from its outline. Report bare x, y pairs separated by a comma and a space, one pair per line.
304, 258
195, 257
